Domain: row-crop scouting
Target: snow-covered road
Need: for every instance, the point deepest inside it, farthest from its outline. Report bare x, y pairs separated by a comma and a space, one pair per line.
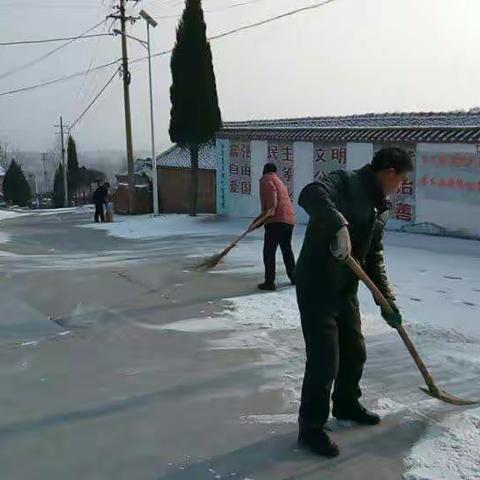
437, 281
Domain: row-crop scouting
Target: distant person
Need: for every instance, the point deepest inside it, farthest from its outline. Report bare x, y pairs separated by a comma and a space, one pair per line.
276, 203
100, 199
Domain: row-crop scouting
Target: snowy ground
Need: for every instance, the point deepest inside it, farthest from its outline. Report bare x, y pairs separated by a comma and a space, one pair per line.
438, 287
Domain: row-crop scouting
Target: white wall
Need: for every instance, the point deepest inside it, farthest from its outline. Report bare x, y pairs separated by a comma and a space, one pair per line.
454, 216
249, 205
451, 215
358, 155
303, 174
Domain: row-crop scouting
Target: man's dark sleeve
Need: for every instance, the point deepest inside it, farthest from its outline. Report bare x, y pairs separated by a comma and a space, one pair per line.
375, 263
319, 200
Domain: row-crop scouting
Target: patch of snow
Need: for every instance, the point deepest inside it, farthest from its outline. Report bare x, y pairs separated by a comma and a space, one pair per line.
282, 418
7, 214
387, 406
57, 211
4, 238
151, 227
195, 325
449, 451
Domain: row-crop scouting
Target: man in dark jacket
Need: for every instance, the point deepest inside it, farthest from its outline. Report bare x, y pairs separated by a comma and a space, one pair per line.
100, 199
347, 213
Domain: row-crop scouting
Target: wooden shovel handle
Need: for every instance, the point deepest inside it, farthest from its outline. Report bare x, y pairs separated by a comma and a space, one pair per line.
385, 304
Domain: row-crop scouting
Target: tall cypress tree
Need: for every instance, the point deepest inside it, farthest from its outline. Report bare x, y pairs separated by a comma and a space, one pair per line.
58, 190
73, 168
195, 115
16, 188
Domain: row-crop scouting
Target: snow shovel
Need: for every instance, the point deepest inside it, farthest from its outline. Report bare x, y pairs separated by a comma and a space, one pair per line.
214, 260
432, 389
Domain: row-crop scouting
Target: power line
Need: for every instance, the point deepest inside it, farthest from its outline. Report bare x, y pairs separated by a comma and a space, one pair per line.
52, 40
215, 37
213, 10
248, 27
90, 105
58, 80
90, 65
35, 5
48, 54
272, 19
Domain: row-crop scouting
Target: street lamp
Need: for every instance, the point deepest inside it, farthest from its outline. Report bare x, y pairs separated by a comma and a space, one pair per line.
150, 23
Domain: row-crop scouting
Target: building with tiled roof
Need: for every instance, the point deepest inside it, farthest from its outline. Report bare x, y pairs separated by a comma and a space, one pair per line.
444, 127
178, 157
442, 195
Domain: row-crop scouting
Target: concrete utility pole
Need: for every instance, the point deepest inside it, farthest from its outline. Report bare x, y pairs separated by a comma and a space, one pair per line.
65, 183
44, 157
151, 23
126, 97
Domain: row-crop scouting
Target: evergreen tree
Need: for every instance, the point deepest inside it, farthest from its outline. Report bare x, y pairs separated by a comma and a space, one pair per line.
58, 190
16, 188
195, 115
73, 169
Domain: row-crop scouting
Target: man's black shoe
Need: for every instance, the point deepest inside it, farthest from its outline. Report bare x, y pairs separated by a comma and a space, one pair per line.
270, 287
356, 412
318, 442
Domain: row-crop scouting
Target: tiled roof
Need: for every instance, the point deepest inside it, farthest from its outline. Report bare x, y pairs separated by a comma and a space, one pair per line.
444, 127
180, 157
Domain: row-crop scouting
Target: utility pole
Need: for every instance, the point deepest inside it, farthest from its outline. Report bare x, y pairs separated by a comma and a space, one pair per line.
65, 184
126, 97
44, 157
150, 22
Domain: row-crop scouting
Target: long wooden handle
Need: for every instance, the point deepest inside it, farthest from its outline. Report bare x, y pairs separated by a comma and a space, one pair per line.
385, 304
252, 227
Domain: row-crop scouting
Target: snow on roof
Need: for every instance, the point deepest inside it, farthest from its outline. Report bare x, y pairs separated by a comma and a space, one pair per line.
180, 157
448, 127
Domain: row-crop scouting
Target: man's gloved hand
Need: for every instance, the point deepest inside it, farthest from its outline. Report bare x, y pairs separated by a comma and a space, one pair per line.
394, 319
341, 246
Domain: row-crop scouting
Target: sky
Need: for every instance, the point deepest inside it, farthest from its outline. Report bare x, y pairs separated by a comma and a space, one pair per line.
350, 56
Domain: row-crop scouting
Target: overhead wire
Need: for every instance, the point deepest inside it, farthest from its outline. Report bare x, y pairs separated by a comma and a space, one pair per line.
52, 40
97, 96
58, 80
48, 54
212, 10
215, 37
90, 65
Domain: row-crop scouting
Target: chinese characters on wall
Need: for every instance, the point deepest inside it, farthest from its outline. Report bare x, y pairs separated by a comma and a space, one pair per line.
403, 202
240, 167
328, 158
450, 176
281, 154
222, 175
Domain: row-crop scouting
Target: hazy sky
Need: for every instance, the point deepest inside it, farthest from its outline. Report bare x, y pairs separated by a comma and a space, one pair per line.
352, 56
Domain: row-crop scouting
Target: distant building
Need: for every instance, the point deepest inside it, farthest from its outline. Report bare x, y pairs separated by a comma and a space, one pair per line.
174, 180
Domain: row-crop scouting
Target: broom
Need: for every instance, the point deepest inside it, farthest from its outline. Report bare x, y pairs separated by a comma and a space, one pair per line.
211, 262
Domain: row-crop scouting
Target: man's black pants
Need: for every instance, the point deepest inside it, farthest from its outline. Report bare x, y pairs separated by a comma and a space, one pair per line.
335, 350
99, 213
278, 234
